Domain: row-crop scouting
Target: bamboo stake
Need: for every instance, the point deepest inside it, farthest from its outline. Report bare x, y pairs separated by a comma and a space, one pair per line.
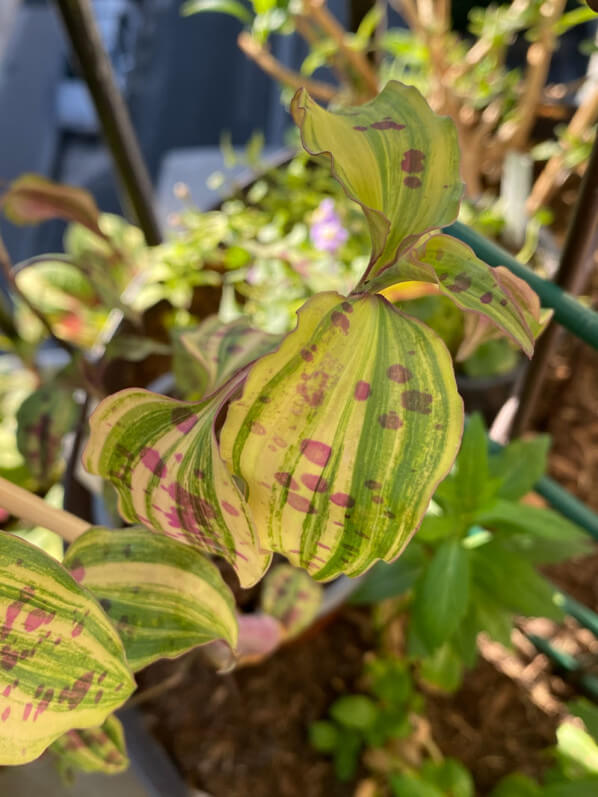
33, 509
318, 11
275, 69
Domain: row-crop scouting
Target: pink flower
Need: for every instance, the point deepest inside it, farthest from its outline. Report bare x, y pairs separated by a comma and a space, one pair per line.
326, 232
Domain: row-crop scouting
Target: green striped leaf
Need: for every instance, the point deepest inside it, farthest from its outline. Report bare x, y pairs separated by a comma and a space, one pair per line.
343, 433
163, 597
62, 664
215, 351
395, 157
498, 298
99, 749
162, 457
43, 419
291, 596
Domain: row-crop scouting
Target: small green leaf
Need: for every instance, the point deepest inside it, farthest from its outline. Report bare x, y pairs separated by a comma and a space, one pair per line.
512, 582
443, 669
162, 596
578, 746
346, 754
540, 535
323, 736
99, 749
231, 7
450, 776
358, 712
43, 420
442, 596
395, 157
520, 465
62, 664
517, 785
405, 785
389, 580
291, 596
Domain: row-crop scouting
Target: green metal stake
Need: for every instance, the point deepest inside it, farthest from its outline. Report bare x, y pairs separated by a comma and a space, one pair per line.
81, 29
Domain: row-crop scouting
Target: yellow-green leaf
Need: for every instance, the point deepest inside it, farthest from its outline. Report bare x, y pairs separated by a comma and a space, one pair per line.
496, 296
162, 456
163, 597
62, 664
218, 351
99, 749
291, 596
395, 157
342, 435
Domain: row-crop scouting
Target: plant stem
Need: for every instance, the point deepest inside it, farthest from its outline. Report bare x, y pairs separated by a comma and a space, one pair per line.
266, 61
318, 11
33, 509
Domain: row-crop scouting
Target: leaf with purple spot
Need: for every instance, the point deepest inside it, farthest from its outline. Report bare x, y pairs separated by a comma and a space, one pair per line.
62, 664
163, 597
162, 457
395, 157
291, 596
310, 454
100, 749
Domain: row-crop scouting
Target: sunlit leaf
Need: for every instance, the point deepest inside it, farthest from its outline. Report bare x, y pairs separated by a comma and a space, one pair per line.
99, 749
291, 596
62, 664
232, 7
497, 297
31, 199
163, 597
217, 351
395, 157
163, 459
343, 433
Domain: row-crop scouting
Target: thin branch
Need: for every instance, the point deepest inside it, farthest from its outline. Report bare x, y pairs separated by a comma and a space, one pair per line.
266, 61
318, 11
33, 509
547, 181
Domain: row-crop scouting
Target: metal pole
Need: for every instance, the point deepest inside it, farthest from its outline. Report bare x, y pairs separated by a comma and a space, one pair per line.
82, 32
570, 277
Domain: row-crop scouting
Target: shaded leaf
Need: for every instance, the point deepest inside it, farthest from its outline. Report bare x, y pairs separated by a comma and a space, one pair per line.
43, 419
389, 580
358, 712
162, 457
31, 199
291, 596
588, 712
216, 351
99, 749
395, 157
449, 775
62, 664
541, 535
340, 470
162, 596
520, 465
443, 669
406, 785
442, 596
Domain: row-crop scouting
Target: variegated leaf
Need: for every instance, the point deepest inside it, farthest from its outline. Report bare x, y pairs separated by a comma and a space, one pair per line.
62, 664
218, 351
162, 456
163, 597
497, 297
395, 157
43, 419
99, 749
31, 199
342, 435
291, 596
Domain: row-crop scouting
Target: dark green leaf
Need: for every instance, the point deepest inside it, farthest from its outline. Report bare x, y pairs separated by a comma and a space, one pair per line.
512, 582
520, 465
413, 786
443, 668
388, 580
390, 681
491, 616
450, 776
588, 712
354, 711
517, 785
471, 477
435, 527
442, 596
323, 736
465, 638
346, 757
